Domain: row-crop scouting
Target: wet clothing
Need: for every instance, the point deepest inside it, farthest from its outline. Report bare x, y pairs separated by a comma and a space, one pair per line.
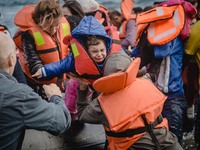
22, 109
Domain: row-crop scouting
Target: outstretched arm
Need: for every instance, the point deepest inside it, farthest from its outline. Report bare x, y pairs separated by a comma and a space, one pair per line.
65, 65
52, 116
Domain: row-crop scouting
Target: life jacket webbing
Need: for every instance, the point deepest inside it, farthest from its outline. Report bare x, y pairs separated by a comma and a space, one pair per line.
66, 30
132, 132
87, 76
47, 50
2, 28
38, 38
116, 41
150, 131
151, 30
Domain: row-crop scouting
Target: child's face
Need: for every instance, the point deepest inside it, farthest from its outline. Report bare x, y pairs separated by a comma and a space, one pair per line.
98, 52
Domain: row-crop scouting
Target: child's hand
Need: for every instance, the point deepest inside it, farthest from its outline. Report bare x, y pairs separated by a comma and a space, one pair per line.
38, 74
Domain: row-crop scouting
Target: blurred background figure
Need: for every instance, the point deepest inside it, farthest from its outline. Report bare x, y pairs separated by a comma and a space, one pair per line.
73, 12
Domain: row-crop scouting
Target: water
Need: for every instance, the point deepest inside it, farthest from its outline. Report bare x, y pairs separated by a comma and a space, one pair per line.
8, 9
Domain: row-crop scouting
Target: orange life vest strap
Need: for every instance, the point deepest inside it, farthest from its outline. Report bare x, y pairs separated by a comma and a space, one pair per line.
150, 130
2, 28
132, 132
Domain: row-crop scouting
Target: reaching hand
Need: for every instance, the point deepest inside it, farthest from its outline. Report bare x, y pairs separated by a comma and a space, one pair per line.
52, 89
38, 74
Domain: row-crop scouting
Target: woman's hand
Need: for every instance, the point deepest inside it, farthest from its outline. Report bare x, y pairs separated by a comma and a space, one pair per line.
38, 74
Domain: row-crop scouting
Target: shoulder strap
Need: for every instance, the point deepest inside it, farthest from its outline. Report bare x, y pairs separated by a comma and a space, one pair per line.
147, 128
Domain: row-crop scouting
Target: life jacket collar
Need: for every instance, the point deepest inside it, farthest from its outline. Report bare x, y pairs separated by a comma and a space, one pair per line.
117, 81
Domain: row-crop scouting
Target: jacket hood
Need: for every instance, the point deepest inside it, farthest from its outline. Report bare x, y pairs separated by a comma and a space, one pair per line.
90, 26
116, 62
119, 72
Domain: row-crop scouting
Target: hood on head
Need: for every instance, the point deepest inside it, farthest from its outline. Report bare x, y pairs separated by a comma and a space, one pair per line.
116, 62
119, 71
90, 26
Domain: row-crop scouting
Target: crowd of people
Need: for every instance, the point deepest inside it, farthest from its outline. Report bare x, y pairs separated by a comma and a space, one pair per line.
136, 72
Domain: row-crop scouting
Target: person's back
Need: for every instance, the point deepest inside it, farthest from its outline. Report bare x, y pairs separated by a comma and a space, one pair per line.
165, 64
21, 108
124, 110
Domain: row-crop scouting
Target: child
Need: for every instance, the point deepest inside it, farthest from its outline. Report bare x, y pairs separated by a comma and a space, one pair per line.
90, 45
131, 119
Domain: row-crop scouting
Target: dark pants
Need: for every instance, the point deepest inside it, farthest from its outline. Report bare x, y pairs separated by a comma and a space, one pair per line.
175, 112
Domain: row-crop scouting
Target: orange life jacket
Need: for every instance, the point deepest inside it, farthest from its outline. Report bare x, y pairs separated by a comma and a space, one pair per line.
126, 7
2, 28
48, 48
110, 29
124, 100
5, 30
163, 23
85, 66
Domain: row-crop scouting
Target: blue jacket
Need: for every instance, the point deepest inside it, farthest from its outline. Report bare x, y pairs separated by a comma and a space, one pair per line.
88, 26
169, 78
21, 108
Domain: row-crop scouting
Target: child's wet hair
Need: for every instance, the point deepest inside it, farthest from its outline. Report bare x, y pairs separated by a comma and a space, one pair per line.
94, 40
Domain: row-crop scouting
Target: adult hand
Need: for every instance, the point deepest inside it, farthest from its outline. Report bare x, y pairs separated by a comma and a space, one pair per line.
51, 90
38, 74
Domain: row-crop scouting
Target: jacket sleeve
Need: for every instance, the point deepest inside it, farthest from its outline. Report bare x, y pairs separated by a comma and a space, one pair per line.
65, 65
32, 58
39, 114
89, 111
131, 30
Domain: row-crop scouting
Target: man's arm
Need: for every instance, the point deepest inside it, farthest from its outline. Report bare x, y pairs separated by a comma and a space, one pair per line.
33, 60
39, 114
89, 111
